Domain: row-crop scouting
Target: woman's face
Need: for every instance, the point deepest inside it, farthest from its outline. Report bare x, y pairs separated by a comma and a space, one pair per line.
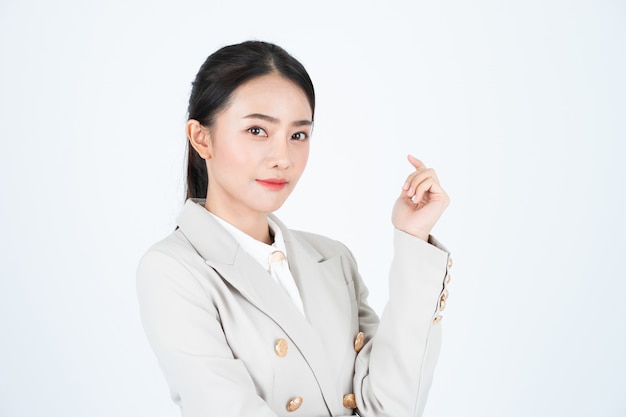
259, 146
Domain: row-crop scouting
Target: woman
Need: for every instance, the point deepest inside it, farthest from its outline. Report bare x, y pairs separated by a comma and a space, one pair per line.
250, 318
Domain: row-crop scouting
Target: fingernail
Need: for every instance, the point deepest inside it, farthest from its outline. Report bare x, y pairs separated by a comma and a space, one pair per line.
405, 186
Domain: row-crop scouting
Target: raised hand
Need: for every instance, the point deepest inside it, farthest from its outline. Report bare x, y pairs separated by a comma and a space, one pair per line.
421, 202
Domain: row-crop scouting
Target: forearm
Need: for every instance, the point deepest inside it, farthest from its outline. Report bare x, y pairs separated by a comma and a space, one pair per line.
394, 371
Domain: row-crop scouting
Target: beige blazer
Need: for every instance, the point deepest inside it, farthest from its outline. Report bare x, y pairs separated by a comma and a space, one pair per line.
232, 343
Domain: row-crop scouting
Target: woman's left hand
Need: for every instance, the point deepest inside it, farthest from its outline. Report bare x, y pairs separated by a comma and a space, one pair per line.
421, 202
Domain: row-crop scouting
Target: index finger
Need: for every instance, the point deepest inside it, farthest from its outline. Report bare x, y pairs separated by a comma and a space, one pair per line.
415, 162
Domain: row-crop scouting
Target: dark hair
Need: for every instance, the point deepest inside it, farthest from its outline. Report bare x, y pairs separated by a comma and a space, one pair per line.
221, 73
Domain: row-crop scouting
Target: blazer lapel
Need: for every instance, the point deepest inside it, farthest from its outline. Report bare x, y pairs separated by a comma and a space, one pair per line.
222, 253
316, 279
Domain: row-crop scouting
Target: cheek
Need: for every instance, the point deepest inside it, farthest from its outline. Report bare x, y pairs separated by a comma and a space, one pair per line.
231, 154
300, 154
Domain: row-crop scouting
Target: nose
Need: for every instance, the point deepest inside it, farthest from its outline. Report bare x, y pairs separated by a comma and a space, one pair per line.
279, 153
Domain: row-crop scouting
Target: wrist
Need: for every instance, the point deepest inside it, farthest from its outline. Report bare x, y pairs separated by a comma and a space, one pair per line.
415, 233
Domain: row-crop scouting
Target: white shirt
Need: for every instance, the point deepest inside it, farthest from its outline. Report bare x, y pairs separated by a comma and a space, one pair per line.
276, 264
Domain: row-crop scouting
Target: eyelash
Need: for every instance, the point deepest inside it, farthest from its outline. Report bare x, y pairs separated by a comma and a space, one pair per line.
257, 131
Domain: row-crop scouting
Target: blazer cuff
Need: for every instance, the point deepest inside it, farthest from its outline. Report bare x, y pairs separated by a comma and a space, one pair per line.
419, 267
406, 243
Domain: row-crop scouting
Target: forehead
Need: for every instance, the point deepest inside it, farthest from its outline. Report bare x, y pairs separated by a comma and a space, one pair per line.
271, 94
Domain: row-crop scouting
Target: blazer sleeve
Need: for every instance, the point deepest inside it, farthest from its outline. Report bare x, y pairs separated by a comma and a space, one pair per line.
394, 370
184, 330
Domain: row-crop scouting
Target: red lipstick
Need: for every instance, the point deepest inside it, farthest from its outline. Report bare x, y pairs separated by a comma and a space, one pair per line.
275, 184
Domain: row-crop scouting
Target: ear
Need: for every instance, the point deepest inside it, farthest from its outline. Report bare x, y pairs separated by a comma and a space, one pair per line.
199, 138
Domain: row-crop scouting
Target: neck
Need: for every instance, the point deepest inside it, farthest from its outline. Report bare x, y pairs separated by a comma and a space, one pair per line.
255, 226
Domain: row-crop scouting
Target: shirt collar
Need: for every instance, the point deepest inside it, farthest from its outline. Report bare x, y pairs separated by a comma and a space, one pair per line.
260, 251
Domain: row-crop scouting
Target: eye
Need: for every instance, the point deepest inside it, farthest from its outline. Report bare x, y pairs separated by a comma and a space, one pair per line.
299, 136
257, 131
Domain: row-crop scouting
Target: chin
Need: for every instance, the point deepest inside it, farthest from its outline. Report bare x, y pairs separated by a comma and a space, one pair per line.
270, 206
268, 202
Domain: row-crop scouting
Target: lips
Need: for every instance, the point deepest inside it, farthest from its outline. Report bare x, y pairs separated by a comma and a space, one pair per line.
273, 183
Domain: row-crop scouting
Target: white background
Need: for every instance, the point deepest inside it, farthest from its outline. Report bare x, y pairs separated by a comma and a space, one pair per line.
520, 106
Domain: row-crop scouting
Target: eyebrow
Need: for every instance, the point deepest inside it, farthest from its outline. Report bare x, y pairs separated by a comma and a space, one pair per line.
274, 120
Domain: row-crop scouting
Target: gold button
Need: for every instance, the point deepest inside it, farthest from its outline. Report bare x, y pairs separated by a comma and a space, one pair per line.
450, 263
448, 278
276, 256
437, 319
442, 304
349, 401
294, 404
444, 295
358, 342
281, 347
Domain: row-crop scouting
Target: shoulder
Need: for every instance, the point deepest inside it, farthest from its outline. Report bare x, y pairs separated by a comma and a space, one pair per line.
173, 253
175, 245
